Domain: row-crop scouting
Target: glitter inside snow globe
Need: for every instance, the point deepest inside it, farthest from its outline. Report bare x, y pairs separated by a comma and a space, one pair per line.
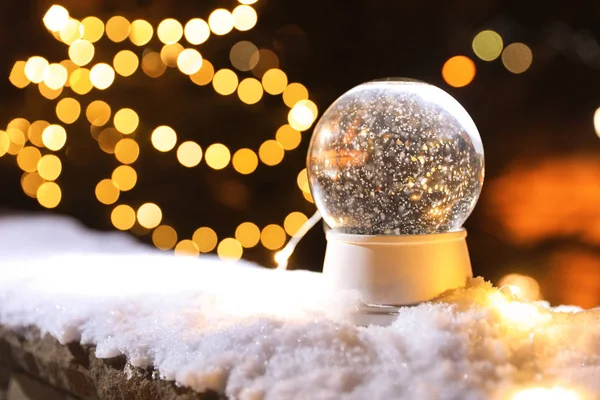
395, 167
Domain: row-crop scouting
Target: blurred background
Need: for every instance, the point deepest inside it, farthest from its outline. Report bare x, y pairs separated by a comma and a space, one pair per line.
119, 124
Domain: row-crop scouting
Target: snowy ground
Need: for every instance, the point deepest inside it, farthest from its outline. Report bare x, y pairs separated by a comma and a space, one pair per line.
254, 333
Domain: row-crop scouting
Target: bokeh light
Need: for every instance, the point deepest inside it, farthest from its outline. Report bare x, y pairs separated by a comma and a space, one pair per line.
35, 67
152, 64
288, 137
247, 234
302, 115
68, 110
597, 121
49, 195
93, 29
186, 248
302, 181
517, 57
127, 151
107, 192
271, 153
17, 75
4, 143
247, 1
196, 31
123, 217
124, 177
71, 67
220, 21
149, 215
263, 60
35, 132
141, 32
98, 113
169, 54
217, 156
31, 182
48, 93
250, 91
56, 18
72, 31
126, 63
523, 286
244, 18
102, 76
204, 75
80, 81
49, 167
274, 81
272, 237
189, 154
81, 52
17, 140
230, 249
118, 28
55, 76
108, 139
164, 237
245, 161
242, 55
54, 137
169, 31
28, 158
126, 121
293, 222
458, 71
225, 82
189, 61
164, 138
488, 45
205, 238
293, 93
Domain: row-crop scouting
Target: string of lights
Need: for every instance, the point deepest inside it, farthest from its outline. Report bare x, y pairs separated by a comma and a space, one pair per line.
114, 130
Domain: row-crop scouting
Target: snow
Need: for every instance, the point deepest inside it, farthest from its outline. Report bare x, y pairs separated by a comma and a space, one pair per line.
255, 333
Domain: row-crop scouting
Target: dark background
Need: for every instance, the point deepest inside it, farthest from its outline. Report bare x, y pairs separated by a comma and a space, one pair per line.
539, 213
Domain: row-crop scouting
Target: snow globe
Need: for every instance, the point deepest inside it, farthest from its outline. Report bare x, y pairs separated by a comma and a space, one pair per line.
395, 167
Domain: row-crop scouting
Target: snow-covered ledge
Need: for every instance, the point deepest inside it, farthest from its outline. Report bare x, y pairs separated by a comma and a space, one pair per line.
80, 309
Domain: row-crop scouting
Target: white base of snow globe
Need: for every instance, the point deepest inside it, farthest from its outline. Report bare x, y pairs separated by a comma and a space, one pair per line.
394, 271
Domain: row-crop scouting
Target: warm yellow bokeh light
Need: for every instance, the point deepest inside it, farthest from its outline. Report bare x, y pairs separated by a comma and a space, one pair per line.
487, 45
35, 67
98, 113
274, 81
293, 93
107, 192
71, 67
118, 28
206, 239
164, 138
68, 110
302, 181
245, 161
527, 288
244, 18
169, 31
17, 75
308, 197
516, 57
124, 177
17, 140
126, 121
169, 54
48, 93
123, 217
31, 182
81, 52
152, 64
108, 139
263, 60
72, 31
458, 71
248, 234
56, 18
4, 143
189, 61
217, 156
230, 249
189, 154
80, 81
272, 237
196, 31
302, 115
220, 21
293, 222
35, 132
247, 1
204, 75
54, 137
288, 137
164, 237
127, 151
187, 248
149, 215
271, 153
243, 55
49, 167
28, 158
126, 62
19, 123
93, 29
597, 121
250, 91
55, 76
225, 82
102, 76
49, 194
141, 32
